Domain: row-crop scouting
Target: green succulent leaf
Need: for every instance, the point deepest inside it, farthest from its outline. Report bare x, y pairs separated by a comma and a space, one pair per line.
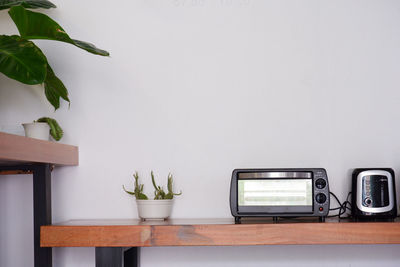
129, 192
159, 193
141, 196
22, 60
54, 88
171, 194
169, 183
34, 25
138, 191
55, 130
5, 4
153, 181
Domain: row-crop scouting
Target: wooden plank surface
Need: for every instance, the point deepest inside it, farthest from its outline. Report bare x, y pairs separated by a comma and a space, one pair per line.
219, 232
15, 149
95, 236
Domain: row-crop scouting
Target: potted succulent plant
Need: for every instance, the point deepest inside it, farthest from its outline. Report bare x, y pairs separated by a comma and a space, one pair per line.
158, 208
42, 129
22, 60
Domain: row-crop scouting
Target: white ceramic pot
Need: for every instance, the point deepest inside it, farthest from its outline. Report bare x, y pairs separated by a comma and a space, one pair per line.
38, 130
154, 209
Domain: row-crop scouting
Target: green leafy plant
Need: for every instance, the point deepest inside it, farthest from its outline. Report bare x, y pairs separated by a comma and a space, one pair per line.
159, 192
55, 130
22, 60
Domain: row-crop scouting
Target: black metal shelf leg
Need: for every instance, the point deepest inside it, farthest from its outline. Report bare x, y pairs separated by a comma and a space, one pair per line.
117, 257
41, 211
132, 257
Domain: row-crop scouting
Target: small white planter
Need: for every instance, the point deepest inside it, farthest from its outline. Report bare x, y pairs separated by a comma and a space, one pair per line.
38, 130
154, 209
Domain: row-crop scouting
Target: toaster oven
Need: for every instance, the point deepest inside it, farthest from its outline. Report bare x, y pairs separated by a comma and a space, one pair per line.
279, 193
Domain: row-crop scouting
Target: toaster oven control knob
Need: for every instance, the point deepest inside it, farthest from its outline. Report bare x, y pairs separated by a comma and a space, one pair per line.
320, 183
367, 201
320, 198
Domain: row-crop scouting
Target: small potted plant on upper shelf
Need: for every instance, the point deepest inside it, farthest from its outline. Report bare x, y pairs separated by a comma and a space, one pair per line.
158, 208
42, 129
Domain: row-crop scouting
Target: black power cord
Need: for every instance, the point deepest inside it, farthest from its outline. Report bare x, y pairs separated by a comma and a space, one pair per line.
343, 207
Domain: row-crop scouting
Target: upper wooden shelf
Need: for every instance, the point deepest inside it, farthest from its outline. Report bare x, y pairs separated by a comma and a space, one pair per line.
215, 232
16, 149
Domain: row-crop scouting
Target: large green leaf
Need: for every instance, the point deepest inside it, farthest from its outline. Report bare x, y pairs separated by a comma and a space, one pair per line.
22, 60
4, 4
54, 89
34, 25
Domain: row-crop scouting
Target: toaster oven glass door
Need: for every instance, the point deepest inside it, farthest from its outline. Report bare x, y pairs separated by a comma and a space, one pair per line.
275, 195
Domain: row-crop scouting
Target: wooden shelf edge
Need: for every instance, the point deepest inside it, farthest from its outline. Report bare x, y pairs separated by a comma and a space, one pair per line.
20, 149
220, 234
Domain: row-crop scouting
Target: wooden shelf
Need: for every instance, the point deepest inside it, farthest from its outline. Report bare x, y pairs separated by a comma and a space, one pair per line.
16, 149
215, 232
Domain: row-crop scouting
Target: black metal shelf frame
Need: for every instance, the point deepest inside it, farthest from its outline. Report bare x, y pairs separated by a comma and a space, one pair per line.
41, 206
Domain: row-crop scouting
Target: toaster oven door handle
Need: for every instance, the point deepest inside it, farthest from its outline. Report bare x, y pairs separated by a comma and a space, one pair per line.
255, 175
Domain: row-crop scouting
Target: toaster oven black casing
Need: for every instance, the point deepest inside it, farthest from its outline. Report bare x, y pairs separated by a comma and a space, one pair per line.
372, 196
319, 208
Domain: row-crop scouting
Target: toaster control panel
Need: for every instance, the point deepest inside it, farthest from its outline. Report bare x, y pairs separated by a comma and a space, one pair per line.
375, 191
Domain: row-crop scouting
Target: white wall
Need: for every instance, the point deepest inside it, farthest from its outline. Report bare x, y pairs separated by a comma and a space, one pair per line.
200, 87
